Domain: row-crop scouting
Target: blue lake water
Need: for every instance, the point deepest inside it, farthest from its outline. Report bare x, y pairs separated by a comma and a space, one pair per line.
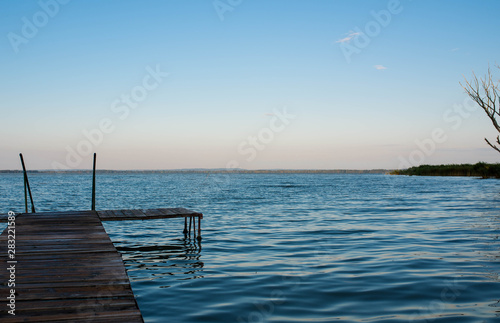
298, 247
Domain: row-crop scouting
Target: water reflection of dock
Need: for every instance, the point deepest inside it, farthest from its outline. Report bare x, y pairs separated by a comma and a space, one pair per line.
178, 260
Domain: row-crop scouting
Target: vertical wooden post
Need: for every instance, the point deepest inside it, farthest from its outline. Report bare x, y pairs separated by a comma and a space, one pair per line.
93, 185
27, 185
185, 226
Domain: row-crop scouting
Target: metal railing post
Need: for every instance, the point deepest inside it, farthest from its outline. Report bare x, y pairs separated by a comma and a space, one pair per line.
93, 184
25, 194
27, 185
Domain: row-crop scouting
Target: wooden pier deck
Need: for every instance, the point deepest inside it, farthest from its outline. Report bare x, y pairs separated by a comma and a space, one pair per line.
66, 269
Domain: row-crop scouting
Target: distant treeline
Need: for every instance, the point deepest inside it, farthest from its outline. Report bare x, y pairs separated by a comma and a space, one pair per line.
214, 171
483, 170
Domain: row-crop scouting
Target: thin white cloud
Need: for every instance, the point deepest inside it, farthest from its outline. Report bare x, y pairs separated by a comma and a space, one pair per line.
380, 67
455, 49
350, 36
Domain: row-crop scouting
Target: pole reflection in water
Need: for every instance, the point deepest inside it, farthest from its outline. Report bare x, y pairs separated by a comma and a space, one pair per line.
178, 259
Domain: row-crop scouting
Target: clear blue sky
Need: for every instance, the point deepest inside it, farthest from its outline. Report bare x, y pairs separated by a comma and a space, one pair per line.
363, 90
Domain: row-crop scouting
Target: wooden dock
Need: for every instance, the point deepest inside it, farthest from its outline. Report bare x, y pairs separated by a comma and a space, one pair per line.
66, 269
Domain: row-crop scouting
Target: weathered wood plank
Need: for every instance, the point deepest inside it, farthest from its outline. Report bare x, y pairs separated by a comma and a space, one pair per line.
89, 315
127, 213
104, 214
146, 214
152, 212
118, 213
138, 213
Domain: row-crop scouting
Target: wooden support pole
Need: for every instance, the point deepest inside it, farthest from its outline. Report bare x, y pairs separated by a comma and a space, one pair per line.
185, 226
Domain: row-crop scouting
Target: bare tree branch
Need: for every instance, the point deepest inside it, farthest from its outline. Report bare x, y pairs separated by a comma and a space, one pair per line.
485, 92
492, 146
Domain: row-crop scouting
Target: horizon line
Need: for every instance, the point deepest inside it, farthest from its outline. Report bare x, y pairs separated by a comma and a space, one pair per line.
228, 170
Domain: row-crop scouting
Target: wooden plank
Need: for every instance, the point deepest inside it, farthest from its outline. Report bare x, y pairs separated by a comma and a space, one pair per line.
64, 305
128, 213
4, 216
152, 212
80, 315
146, 214
138, 213
184, 212
50, 309
67, 270
167, 211
118, 213
89, 291
104, 214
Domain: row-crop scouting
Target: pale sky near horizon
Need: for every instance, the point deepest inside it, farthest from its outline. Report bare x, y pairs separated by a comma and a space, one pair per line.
261, 84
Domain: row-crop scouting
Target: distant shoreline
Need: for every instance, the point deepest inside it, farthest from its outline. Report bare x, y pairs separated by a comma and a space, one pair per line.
211, 171
480, 169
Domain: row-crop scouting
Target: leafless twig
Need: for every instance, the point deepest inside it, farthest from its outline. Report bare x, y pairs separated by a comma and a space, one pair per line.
485, 93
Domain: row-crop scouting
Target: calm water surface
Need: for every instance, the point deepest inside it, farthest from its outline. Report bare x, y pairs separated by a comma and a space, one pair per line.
298, 247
